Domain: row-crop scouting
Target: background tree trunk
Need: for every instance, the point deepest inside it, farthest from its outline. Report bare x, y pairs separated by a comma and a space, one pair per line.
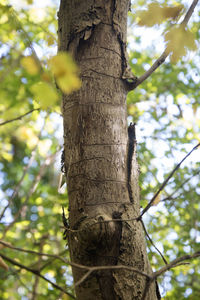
95, 132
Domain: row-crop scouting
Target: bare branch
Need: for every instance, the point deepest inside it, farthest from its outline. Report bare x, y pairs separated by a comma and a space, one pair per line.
89, 269
147, 286
156, 64
169, 197
165, 54
165, 183
24, 35
165, 261
83, 278
175, 263
35, 252
20, 117
100, 268
189, 12
36, 272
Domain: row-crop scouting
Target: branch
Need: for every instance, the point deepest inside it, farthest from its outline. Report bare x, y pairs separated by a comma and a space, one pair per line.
165, 183
149, 279
165, 261
189, 12
99, 268
85, 276
20, 117
165, 54
169, 197
148, 73
88, 268
174, 263
35, 252
36, 272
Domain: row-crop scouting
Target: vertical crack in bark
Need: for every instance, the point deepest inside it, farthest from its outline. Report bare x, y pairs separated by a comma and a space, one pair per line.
120, 41
130, 153
126, 74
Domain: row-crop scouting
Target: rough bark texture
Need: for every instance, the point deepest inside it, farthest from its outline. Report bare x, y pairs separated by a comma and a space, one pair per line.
95, 132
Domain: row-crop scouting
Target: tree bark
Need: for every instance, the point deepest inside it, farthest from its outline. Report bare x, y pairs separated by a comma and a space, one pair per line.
96, 146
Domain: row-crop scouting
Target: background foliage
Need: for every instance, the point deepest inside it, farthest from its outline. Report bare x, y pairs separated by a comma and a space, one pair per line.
166, 110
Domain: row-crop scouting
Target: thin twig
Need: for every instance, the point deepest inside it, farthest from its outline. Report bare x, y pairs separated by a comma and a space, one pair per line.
35, 252
83, 278
148, 73
163, 258
25, 36
165, 54
36, 272
100, 268
189, 12
147, 286
169, 197
20, 117
89, 268
175, 263
165, 182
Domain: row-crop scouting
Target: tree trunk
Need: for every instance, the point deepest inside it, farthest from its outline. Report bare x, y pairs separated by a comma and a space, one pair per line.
96, 148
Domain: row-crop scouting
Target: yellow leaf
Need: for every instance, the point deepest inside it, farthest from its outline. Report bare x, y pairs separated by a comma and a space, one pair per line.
28, 136
3, 265
65, 72
178, 41
7, 156
30, 65
41, 213
45, 94
156, 14
44, 146
50, 40
22, 224
69, 83
46, 248
3, 18
38, 200
172, 12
